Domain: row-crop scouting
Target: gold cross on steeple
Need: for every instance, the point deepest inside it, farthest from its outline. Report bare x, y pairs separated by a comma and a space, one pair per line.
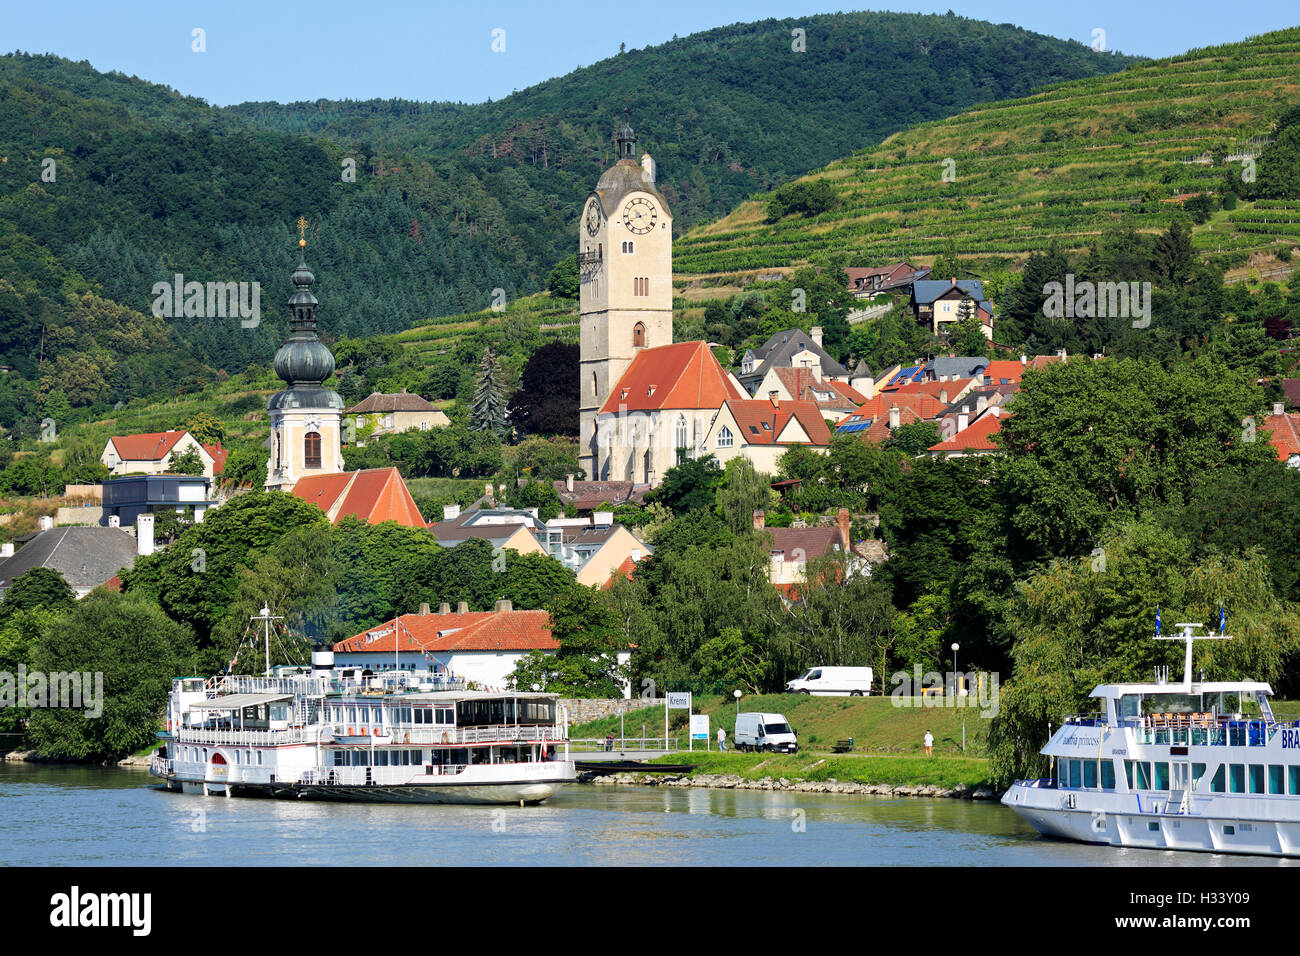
302, 230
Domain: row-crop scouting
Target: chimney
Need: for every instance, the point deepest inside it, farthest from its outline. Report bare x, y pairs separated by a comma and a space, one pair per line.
981, 403
444, 608
963, 420
487, 493
144, 534
771, 397
7, 549
895, 417
503, 605
816, 334
1024, 360
403, 389
943, 395
114, 521
760, 520
450, 512
1060, 353
954, 280
47, 523
842, 519
1278, 408
462, 607
424, 608
568, 482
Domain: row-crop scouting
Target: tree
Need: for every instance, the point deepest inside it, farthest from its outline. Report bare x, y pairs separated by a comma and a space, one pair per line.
488, 410
245, 466
586, 663
546, 401
188, 462
1279, 166
913, 438
689, 485
563, 280
535, 494
206, 429
37, 588
137, 649
743, 491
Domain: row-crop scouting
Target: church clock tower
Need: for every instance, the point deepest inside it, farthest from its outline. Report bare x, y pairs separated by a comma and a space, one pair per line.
305, 417
625, 268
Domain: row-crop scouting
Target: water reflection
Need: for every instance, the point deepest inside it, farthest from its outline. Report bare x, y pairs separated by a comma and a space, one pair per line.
93, 816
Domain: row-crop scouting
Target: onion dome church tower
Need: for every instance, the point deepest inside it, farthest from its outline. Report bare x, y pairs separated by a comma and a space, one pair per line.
306, 416
625, 271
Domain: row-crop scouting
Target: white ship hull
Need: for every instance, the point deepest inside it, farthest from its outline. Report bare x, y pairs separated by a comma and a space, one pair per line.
1108, 823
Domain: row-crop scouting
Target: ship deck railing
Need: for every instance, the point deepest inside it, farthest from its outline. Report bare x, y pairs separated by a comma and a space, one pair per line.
326, 733
303, 685
1193, 729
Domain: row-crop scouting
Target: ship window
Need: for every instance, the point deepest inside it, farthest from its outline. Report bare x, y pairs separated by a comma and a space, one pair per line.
1275, 778
1293, 781
1237, 778
1143, 773
1198, 774
1128, 773
1162, 776
1076, 775
1108, 775
1090, 774
311, 449
1063, 773
381, 758
1257, 778
1218, 780
1130, 705
259, 758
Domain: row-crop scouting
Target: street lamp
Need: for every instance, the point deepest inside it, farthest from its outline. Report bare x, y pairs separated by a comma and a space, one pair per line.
955, 648
736, 693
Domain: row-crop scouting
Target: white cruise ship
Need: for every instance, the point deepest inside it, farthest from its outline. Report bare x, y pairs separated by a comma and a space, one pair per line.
1191, 766
345, 734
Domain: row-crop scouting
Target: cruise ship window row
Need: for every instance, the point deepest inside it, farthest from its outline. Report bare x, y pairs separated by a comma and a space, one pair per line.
1273, 779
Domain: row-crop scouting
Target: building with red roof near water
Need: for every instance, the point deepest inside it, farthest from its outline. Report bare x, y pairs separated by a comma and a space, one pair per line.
374, 495
662, 403
482, 647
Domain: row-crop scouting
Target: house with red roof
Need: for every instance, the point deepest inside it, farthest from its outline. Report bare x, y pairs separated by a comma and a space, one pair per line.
1284, 429
481, 647
151, 453
374, 495
659, 411
975, 439
764, 430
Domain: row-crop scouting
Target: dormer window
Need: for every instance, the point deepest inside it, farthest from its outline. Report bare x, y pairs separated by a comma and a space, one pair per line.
725, 437
650, 390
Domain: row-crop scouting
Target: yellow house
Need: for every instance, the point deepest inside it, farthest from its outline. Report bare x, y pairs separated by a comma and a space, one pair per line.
401, 411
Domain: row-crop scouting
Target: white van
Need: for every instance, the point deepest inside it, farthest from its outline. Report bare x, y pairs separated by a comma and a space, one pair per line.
764, 732
833, 682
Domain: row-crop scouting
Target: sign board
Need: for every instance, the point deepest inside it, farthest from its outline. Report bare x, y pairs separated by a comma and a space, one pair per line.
679, 700
699, 726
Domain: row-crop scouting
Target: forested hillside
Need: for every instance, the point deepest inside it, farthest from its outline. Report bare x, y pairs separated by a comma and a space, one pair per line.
110, 184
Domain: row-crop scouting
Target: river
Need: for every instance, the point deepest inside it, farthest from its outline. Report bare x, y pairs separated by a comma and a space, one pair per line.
83, 816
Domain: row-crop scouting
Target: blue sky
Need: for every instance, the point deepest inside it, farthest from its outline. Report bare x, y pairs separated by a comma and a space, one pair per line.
436, 50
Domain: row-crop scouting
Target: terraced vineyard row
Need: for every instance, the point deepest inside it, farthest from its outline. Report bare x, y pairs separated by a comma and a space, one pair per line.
1062, 164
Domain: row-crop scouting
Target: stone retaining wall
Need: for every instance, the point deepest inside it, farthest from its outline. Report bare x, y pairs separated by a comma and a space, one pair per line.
583, 709
736, 782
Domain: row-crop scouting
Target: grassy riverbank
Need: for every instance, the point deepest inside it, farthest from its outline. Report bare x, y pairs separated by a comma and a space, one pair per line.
878, 725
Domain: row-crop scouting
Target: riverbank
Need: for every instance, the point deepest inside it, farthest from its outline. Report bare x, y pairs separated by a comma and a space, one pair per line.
133, 762
954, 777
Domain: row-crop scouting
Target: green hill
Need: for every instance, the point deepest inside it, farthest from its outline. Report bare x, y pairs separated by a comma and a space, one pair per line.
1063, 164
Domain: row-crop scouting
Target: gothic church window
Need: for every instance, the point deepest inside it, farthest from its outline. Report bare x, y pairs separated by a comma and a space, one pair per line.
638, 335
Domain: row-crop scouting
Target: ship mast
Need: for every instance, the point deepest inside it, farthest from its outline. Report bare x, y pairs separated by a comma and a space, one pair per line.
1189, 638
266, 617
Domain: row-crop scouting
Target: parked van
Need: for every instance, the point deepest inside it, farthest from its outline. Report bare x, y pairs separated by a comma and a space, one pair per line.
833, 682
764, 732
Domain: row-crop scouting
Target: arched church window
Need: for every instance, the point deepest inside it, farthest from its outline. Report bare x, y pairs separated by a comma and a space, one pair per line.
311, 449
724, 437
638, 335
681, 431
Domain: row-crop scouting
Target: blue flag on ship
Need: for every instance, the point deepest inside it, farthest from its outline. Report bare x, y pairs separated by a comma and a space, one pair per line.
1157, 620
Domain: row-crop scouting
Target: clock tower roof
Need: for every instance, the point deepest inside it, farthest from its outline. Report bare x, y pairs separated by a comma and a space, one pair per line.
625, 177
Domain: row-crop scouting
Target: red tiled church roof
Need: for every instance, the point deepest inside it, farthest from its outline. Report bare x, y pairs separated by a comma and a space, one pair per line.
374, 495
683, 375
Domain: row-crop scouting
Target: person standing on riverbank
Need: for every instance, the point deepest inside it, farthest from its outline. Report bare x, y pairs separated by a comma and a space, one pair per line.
722, 739
929, 744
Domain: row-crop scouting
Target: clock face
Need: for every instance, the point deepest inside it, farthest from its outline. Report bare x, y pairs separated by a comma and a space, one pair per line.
593, 217
639, 216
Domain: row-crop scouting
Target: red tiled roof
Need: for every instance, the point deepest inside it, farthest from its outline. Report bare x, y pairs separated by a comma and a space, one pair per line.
374, 495
978, 437
753, 414
1010, 369
684, 375
1286, 434
802, 544
219, 456
150, 446
922, 405
402, 401
416, 630
952, 388
623, 570
848, 391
